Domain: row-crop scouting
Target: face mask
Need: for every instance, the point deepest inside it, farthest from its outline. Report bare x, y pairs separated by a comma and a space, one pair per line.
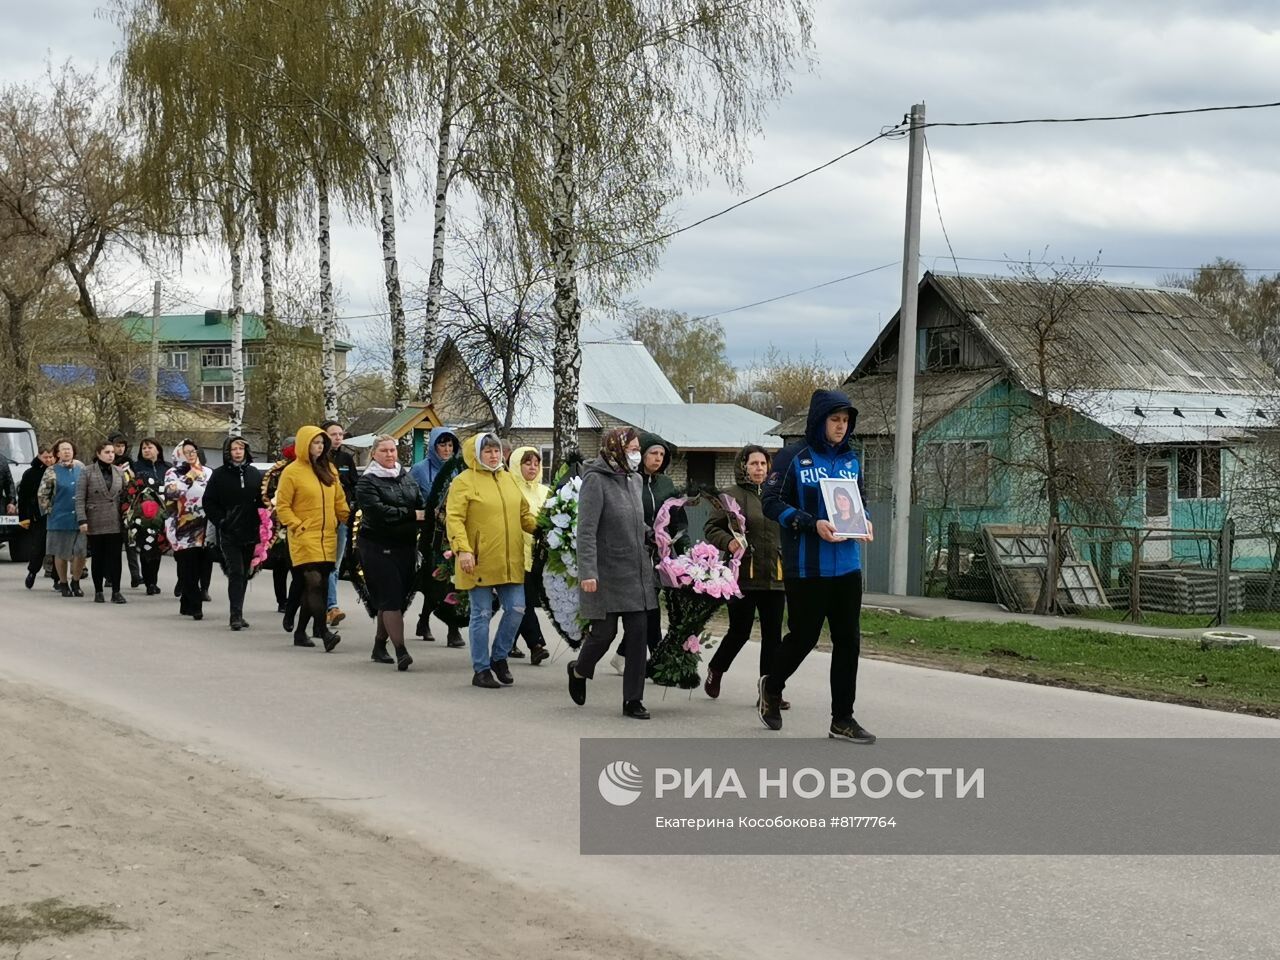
633, 460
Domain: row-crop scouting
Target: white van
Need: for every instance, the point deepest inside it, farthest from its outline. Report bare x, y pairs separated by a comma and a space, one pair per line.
17, 450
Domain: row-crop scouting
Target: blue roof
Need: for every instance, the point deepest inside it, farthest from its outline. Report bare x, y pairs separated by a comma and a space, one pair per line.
172, 383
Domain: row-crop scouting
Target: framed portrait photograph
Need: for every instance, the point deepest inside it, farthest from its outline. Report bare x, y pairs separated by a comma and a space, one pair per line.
843, 501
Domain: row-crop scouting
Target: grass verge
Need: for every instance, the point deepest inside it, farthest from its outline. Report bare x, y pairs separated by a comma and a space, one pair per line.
23, 923
1238, 679
1255, 619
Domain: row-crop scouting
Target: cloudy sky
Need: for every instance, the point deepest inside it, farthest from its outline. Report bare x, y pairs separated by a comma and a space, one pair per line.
1145, 197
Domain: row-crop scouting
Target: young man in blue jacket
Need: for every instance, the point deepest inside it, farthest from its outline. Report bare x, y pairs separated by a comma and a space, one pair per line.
822, 572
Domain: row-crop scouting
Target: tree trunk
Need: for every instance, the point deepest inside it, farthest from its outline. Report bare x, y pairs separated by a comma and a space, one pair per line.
270, 364
391, 269
20, 394
328, 324
435, 280
567, 351
235, 316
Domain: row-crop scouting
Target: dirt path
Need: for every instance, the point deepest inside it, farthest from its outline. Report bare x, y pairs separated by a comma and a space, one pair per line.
196, 860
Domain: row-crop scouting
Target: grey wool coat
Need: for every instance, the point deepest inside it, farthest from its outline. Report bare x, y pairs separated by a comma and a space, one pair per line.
97, 503
611, 544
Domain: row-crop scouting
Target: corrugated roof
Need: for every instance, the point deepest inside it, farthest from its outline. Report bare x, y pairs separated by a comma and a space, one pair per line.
612, 372
192, 328
697, 426
876, 400
1158, 417
1120, 337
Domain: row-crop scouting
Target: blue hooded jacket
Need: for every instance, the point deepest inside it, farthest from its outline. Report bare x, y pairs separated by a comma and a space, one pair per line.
793, 496
424, 471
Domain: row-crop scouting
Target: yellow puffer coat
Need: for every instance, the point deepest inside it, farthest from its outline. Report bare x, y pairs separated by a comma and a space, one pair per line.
535, 492
487, 516
310, 510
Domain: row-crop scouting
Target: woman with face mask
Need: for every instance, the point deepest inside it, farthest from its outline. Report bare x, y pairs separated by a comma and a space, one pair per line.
187, 526
487, 516
616, 578
311, 505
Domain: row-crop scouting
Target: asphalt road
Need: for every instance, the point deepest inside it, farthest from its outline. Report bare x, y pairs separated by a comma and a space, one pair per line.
491, 777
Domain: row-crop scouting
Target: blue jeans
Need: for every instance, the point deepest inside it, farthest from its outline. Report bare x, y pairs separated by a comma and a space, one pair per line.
511, 599
333, 577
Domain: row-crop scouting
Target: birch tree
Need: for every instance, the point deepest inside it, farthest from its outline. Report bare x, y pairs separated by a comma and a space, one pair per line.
609, 109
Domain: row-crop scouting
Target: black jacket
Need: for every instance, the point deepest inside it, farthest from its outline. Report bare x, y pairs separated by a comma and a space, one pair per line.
345, 463
232, 497
388, 508
761, 567
658, 488
28, 488
8, 495
149, 470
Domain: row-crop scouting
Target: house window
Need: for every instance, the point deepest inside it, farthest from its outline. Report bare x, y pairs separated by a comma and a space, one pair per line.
215, 357
220, 393
1199, 473
253, 357
943, 348
174, 359
956, 473
877, 471
701, 470
547, 465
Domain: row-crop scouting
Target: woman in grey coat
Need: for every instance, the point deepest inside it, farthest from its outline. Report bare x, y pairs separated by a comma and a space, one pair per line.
616, 577
98, 495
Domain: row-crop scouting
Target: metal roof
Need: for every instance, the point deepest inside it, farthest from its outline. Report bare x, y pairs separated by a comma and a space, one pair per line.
612, 372
697, 426
1158, 417
1114, 336
192, 328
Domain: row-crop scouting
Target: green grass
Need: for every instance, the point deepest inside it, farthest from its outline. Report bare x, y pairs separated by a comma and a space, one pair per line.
23, 923
1240, 679
1258, 620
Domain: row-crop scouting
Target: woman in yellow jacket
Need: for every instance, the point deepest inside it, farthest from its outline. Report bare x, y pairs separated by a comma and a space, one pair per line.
525, 465
311, 505
486, 517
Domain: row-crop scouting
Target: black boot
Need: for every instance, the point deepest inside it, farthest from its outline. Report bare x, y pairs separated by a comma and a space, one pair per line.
538, 654
118, 597
423, 630
380, 654
330, 639
403, 659
455, 638
502, 672
635, 710
98, 597
300, 639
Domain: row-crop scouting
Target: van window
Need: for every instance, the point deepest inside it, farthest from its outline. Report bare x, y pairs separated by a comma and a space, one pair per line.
17, 446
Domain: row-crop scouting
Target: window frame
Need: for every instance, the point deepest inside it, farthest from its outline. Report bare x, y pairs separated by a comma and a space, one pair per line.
209, 353
170, 356
971, 494
933, 349
218, 389
1194, 461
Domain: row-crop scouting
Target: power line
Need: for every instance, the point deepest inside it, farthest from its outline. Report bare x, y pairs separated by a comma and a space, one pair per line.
1097, 119
796, 293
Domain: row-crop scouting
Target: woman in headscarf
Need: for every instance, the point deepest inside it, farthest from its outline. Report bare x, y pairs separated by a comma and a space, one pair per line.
760, 573
311, 505
525, 465
391, 509
442, 447
98, 495
57, 498
147, 487
615, 570
485, 515
187, 526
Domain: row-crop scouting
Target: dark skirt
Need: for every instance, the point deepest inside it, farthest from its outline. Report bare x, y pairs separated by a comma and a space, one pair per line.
388, 573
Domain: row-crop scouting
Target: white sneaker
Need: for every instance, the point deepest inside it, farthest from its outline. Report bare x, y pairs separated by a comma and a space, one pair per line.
618, 662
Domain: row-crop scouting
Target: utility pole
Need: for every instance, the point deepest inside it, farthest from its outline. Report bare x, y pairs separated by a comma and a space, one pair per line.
153, 369
904, 438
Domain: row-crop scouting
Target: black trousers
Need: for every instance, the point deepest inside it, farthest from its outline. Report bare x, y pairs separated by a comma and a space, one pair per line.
652, 631
836, 601
149, 561
135, 566
236, 558
600, 639
530, 627
105, 550
192, 563
35, 544
770, 604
